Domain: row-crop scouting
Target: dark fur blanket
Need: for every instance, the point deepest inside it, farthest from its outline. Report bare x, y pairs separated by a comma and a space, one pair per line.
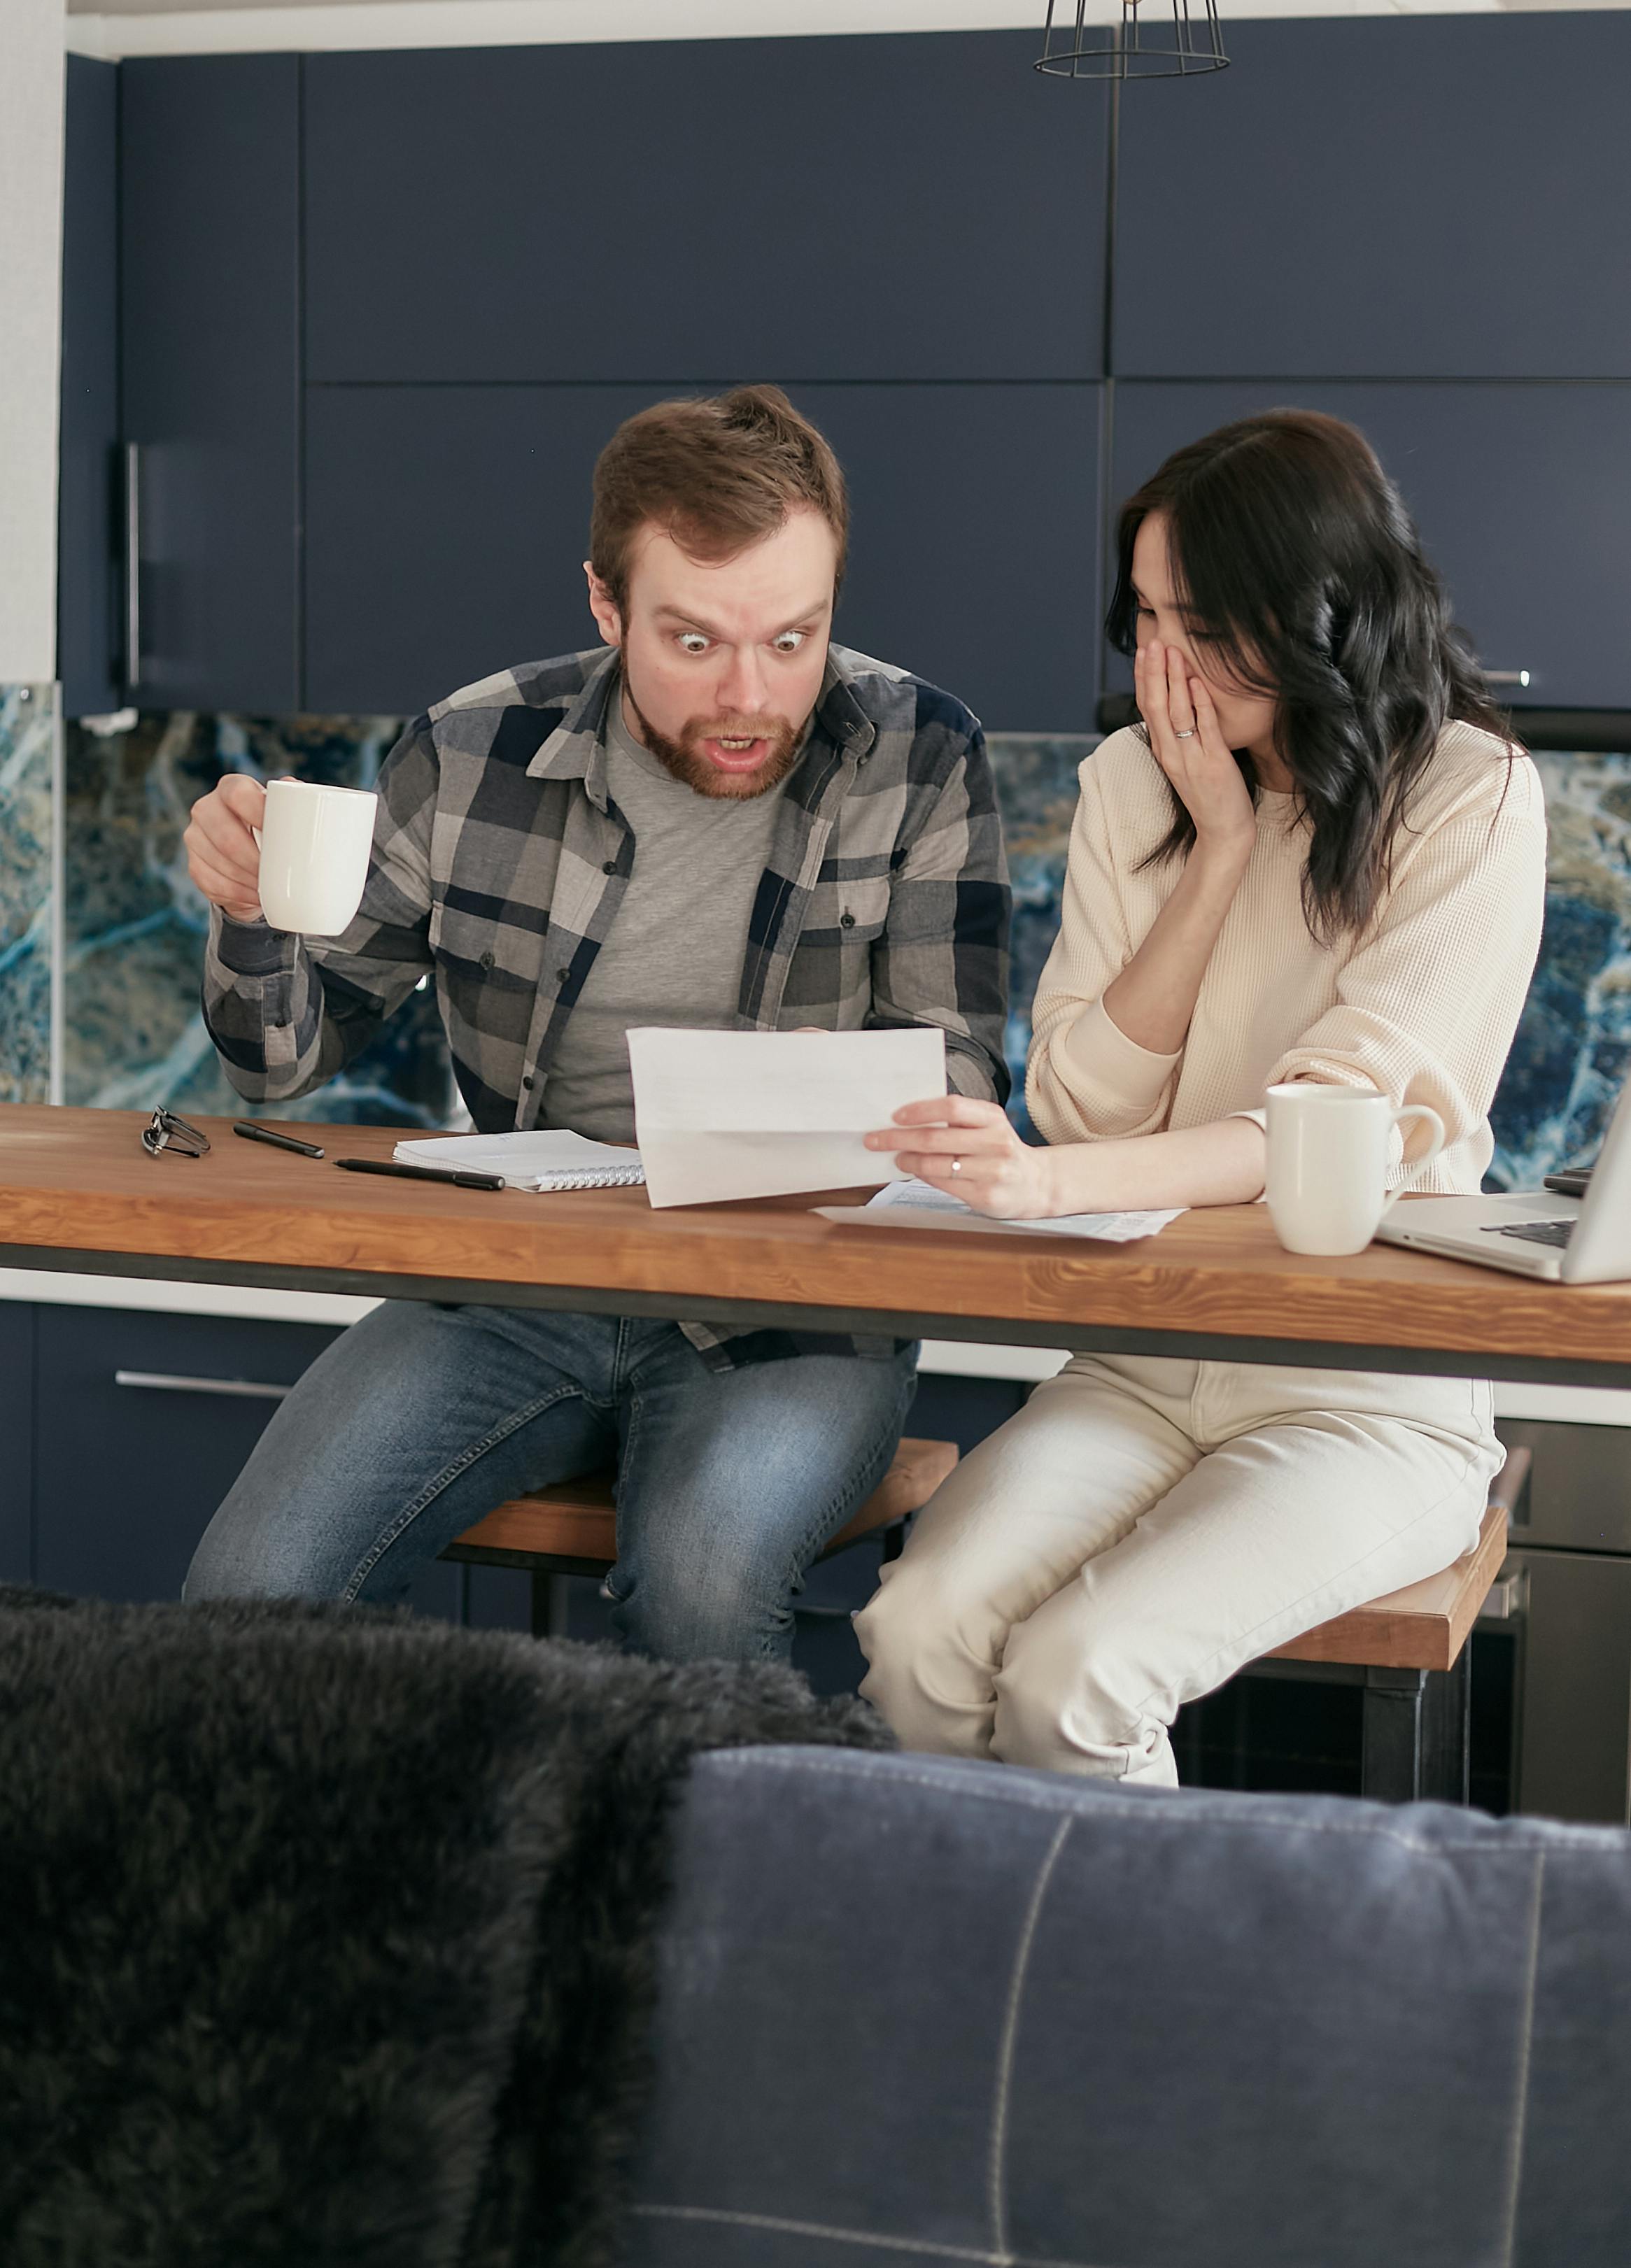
325, 1935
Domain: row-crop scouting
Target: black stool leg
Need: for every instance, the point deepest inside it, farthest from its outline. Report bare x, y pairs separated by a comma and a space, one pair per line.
1389, 1770
551, 1603
1416, 1739
1447, 1764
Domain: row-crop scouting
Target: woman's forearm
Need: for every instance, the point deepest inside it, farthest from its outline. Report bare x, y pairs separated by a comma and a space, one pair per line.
1219, 1164
1152, 1000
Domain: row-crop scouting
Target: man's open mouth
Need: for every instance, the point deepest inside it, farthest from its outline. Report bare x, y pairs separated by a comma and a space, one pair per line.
737, 753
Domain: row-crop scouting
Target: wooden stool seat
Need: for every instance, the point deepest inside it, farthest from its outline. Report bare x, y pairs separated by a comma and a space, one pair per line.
1425, 1625
572, 1528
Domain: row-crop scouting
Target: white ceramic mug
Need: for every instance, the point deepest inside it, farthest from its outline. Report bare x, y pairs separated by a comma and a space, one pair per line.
315, 844
1328, 1161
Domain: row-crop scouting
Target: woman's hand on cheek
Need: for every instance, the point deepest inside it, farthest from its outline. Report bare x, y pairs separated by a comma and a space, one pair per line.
1188, 742
969, 1148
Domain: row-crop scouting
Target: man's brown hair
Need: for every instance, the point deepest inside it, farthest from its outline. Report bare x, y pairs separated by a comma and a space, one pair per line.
716, 473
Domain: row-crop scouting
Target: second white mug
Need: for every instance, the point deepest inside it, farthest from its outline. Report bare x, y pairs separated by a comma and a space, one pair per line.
1328, 1161
316, 844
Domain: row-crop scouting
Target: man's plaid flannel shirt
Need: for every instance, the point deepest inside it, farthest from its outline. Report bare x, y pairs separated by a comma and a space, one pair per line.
499, 862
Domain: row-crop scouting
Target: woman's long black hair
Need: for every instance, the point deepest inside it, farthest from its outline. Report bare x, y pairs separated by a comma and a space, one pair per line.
1294, 553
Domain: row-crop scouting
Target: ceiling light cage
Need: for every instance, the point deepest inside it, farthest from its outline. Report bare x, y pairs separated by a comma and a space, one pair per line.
1154, 39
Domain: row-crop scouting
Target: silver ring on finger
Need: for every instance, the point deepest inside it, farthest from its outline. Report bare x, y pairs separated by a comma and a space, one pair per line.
1185, 736
957, 1165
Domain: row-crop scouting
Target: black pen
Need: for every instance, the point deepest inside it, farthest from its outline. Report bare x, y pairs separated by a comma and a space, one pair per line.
252, 1133
461, 1180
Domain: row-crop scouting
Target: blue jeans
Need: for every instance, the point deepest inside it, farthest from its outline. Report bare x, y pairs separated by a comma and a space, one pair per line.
420, 1419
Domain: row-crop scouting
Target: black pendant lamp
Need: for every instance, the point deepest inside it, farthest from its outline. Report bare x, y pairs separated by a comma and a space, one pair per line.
1154, 39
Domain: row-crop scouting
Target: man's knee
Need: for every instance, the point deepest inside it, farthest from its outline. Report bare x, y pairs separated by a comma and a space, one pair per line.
710, 1608
229, 1564
276, 1535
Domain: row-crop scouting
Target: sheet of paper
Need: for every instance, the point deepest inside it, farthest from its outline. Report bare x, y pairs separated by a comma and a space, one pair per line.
912, 1204
763, 1114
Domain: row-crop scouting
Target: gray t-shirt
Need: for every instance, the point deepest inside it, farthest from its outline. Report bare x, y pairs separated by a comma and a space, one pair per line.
674, 952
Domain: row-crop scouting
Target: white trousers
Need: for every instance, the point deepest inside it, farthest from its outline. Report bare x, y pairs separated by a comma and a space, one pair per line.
1142, 1528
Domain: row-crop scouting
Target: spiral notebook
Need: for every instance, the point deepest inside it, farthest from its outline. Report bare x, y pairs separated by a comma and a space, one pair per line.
539, 1161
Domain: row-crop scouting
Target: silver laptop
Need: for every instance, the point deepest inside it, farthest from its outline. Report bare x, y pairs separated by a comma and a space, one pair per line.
1567, 1240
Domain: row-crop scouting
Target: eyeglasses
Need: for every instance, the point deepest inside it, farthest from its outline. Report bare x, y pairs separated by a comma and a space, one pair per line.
166, 1132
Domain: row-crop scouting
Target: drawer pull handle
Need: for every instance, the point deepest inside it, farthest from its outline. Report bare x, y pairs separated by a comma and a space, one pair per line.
164, 1381
1508, 1598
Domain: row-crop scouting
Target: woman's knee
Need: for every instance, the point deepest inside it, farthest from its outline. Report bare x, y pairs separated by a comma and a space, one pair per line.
1078, 1698
931, 1660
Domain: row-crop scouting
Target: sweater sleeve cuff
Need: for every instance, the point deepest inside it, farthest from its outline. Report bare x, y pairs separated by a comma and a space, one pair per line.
1106, 1063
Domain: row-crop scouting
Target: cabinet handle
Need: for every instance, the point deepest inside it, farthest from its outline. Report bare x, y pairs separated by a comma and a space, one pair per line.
1508, 1598
1506, 677
164, 1381
132, 565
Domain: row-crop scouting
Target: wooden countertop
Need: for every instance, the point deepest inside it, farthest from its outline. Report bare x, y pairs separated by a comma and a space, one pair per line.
77, 1191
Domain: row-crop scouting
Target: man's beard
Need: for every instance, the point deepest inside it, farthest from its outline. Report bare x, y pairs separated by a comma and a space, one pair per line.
686, 759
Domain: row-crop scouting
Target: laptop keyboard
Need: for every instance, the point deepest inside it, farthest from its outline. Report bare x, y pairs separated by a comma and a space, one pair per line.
1535, 1232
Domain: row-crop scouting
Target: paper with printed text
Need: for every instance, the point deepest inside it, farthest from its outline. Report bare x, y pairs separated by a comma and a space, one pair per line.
911, 1204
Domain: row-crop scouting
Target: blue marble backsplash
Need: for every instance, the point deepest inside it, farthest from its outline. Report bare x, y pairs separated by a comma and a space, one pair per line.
135, 928
1573, 1051
28, 734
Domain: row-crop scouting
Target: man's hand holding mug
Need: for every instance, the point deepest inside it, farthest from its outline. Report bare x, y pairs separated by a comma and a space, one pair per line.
293, 851
223, 852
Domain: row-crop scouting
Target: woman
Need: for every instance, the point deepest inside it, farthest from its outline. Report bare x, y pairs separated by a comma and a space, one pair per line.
1319, 858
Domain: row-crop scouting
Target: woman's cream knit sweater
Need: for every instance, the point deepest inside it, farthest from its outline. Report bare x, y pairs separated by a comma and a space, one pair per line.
1422, 1006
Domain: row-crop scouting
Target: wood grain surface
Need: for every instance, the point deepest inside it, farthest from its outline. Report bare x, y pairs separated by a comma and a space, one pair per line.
78, 1190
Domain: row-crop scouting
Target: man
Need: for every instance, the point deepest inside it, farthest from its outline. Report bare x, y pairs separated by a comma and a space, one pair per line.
721, 821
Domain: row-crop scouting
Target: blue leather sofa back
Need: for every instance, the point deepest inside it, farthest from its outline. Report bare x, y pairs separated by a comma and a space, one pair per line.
915, 2011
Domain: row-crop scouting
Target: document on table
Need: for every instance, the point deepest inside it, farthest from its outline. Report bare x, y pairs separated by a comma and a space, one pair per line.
912, 1204
763, 1114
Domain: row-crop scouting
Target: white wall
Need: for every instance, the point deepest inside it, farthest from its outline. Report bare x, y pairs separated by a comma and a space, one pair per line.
146, 28
31, 263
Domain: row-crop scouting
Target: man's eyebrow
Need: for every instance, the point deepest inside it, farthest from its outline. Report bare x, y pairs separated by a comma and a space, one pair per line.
695, 621
691, 622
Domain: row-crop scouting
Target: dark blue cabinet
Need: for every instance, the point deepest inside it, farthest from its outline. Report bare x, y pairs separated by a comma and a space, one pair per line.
1523, 495
136, 1444
447, 526
881, 206
453, 272
16, 1429
974, 548
126, 1430
89, 663
1447, 196
209, 209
